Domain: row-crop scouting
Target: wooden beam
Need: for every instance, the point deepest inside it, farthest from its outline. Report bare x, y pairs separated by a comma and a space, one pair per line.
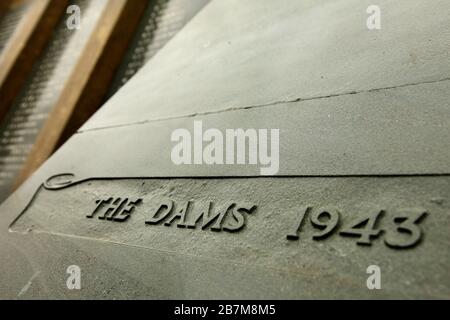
25, 46
87, 86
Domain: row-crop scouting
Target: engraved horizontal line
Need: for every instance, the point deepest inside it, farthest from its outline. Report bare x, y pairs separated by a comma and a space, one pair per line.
264, 105
402, 175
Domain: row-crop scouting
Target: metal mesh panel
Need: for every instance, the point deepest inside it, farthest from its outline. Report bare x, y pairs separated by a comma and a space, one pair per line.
9, 21
45, 84
161, 21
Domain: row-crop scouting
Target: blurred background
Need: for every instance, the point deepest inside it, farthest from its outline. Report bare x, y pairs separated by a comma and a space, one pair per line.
61, 60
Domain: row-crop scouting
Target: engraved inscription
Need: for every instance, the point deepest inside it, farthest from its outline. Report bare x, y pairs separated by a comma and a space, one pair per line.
230, 217
149, 210
364, 227
115, 209
402, 232
333, 224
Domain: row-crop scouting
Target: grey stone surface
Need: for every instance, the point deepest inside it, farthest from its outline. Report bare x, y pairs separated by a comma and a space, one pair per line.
388, 132
235, 55
364, 128
333, 267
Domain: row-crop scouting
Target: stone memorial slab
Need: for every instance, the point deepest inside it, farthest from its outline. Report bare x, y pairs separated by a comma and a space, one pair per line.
360, 177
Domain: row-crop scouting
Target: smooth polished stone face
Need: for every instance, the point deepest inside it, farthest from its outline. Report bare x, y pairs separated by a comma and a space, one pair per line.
363, 180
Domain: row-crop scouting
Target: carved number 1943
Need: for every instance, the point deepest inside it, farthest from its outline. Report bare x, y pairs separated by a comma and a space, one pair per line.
403, 230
